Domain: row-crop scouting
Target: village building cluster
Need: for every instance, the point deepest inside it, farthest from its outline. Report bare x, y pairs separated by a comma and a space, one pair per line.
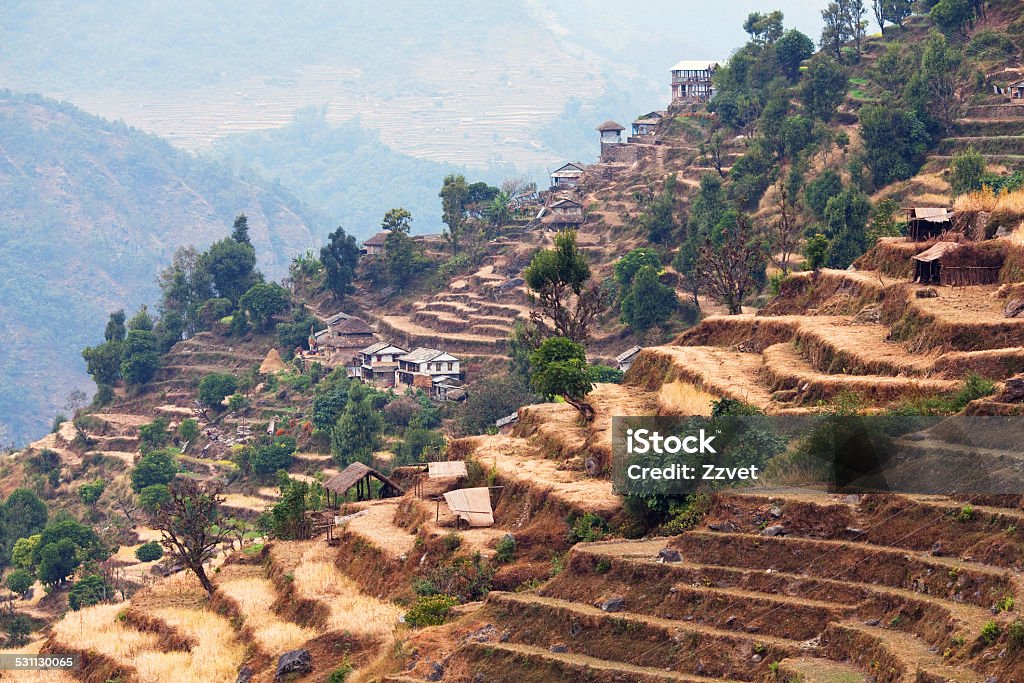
349, 341
691, 86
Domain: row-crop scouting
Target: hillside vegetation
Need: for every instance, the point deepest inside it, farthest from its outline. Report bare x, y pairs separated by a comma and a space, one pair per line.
90, 211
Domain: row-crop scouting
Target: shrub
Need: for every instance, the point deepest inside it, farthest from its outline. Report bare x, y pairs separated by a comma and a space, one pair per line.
341, 674
990, 632
452, 542
587, 528
1015, 633
506, 549
215, 387
87, 591
430, 610
149, 552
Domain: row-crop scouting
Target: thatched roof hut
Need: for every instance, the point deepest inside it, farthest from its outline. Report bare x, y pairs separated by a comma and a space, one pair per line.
359, 475
957, 264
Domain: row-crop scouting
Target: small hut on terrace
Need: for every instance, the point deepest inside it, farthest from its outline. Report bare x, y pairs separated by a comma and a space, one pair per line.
359, 475
925, 223
957, 264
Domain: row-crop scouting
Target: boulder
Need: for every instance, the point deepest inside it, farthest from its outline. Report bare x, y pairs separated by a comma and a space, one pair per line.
436, 672
294, 662
613, 604
1013, 390
1014, 308
669, 555
558, 648
244, 675
774, 530
927, 293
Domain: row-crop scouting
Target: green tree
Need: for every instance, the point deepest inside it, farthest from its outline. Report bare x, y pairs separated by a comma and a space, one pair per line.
356, 434
397, 220
492, 398
90, 493
847, 216
791, 49
115, 329
19, 581
24, 551
232, 267
188, 430
340, 257
403, 258
140, 360
90, 590
22, 514
103, 362
558, 279
185, 287
499, 212
454, 196
823, 87
967, 171
820, 190
648, 302
240, 230
952, 15
262, 302
288, 516
154, 434
764, 29
628, 266
895, 142
559, 368
659, 219
215, 387
57, 561
156, 467
142, 320
153, 496
273, 455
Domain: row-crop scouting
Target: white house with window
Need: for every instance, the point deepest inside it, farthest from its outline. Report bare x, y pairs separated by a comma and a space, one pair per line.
379, 363
424, 367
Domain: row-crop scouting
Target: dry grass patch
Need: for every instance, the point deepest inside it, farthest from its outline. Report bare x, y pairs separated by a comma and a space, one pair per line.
241, 501
682, 398
98, 628
316, 577
215, 658
255, 597
377, 527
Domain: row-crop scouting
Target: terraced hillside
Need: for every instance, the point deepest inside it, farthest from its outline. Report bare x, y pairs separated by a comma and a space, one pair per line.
841, 589
860, 334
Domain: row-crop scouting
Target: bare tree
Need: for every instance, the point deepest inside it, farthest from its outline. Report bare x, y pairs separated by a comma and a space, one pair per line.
190, 525
729, 262
784, 233
713, 151
123, 499
77, 400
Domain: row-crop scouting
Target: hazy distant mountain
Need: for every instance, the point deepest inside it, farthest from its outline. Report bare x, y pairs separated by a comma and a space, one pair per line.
89, 212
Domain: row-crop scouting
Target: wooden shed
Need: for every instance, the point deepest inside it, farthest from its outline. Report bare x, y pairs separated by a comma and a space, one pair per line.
957, 264
925, 223
359, 475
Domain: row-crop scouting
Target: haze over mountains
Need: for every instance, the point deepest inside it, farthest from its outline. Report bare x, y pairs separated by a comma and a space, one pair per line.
352, 108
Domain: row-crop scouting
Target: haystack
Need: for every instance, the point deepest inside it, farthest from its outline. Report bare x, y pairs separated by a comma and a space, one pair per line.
272, 364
